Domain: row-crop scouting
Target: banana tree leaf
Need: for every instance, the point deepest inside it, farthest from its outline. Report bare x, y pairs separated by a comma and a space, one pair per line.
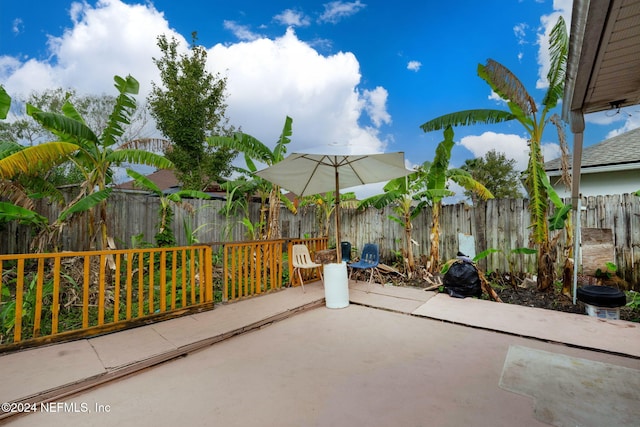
7, 148
11, 212
194, 194
65, 128
507, 86
559, 218
142, 181
122, 111
5, 103
467, 118
140, 157
36, 158
85, 203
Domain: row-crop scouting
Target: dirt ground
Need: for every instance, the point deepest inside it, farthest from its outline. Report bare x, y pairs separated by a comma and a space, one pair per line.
512, 290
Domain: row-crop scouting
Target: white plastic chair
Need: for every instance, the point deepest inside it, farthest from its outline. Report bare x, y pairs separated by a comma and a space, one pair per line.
301, 259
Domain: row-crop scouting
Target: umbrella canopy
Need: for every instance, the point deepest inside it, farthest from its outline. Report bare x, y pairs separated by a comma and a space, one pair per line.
308, 174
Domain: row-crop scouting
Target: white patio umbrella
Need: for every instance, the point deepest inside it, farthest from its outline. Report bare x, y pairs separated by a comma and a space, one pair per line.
308, 174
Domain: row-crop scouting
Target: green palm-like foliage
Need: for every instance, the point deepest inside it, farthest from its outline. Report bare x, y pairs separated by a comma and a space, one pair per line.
255, 150
467, 118
5, 103
29, 160
21, 167
522, 107
97, 154
438, 174
403, 194
12, 212
165, 236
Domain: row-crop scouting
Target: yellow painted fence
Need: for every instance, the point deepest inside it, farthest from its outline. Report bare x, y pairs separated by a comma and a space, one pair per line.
67, 295
46, 297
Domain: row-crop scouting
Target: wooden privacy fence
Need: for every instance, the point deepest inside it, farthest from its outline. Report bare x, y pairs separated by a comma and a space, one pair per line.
500, 224
54, 296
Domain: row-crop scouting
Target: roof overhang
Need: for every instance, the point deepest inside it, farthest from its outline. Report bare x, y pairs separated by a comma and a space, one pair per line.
604, 56
599, 169
602, 73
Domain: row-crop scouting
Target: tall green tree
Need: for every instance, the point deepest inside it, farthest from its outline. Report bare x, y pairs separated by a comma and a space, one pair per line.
254, 150
496, 173
522, 108
189, 106
97, 155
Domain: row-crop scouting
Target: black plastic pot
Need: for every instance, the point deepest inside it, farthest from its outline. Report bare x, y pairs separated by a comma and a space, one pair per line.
601, 296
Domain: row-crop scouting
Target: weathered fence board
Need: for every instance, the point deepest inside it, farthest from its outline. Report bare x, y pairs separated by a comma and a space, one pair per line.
500, 224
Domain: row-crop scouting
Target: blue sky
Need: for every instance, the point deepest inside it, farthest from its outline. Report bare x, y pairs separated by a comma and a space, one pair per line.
356, 76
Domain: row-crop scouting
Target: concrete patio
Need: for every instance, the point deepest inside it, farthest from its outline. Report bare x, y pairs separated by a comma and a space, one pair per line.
394, 356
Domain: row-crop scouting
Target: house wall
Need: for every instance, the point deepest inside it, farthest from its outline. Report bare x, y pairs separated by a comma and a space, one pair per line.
602, 183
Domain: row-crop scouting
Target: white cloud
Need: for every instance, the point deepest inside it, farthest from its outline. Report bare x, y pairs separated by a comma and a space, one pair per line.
561, 8
108, 39
605, 118
631, 122
414, 65
376, 105
513, 146
242, 32
292, 18
17, 26
495, 97
267, 79
520, 31
337, 10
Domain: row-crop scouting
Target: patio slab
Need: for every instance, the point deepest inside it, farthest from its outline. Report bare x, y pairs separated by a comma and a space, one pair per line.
28, 373
615, 336
343, 367
41, 374
129, 346
356, 366
394, 298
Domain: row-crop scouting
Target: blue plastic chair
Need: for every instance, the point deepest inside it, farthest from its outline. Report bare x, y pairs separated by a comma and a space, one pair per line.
369, 260
345, 248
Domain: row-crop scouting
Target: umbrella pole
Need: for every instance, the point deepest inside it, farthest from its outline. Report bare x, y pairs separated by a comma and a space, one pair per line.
337, 214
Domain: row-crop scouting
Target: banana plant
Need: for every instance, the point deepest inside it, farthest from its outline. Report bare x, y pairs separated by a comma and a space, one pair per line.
523, 109
96, 155
438, 174
403, 194
21, 167
326, 206
254, 150
165, 235
47, 234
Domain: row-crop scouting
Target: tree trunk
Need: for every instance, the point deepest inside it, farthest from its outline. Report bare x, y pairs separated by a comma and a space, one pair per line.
434, 238
567, 269
273, 222
546, 272
411, 265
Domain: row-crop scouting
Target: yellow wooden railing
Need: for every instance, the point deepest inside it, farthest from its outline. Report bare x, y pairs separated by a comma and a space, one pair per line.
56, 295
252, 268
